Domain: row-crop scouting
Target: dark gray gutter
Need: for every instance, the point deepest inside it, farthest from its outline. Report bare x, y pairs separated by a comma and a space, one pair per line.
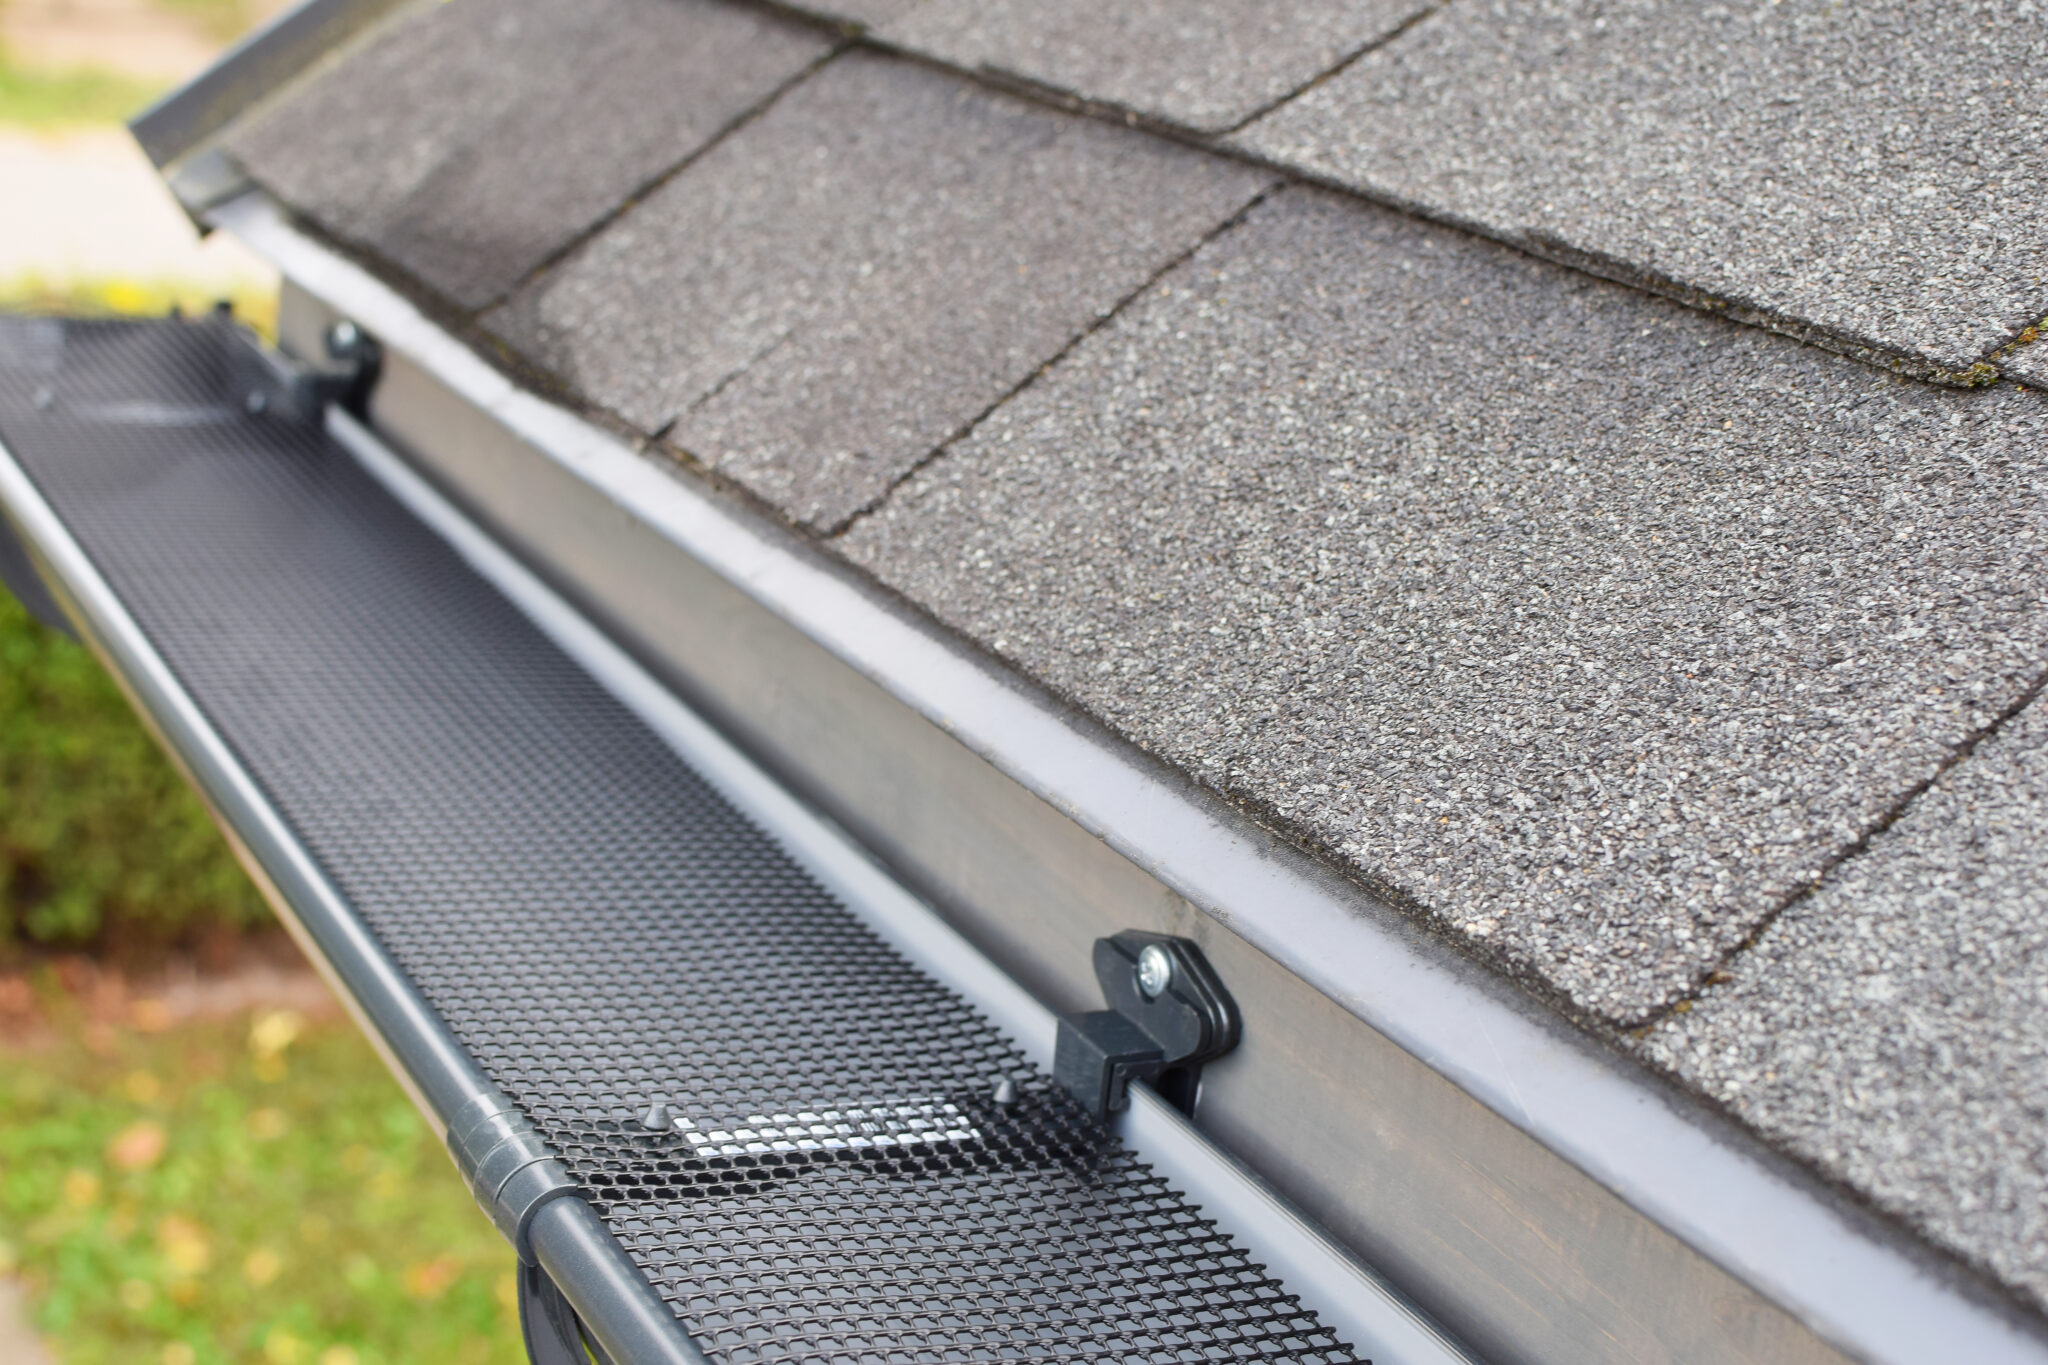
521, 1187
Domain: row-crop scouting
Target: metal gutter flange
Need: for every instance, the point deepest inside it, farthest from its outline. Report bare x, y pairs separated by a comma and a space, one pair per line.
181, 122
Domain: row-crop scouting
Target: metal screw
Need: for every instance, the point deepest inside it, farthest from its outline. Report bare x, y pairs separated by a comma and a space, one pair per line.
44, 398
1155, 971
1006, 1094
657, 1119
344, 340
257, 403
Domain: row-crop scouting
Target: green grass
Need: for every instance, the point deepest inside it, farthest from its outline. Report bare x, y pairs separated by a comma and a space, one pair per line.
254, 1190
37, 98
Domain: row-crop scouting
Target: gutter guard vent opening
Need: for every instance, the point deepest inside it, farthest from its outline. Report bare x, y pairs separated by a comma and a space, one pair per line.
904, 1125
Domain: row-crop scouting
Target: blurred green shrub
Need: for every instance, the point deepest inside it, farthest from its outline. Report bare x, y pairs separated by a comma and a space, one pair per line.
102, 845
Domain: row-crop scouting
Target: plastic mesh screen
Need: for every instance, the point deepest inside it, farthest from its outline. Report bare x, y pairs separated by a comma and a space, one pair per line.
598, 927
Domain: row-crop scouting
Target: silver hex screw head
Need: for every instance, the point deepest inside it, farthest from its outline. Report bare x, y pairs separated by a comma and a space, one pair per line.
1155, 971
344, 340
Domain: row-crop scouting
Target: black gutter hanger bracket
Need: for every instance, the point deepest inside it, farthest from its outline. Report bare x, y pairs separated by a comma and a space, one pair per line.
1168, 1015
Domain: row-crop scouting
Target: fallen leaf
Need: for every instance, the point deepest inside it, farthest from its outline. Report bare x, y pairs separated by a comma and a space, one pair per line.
184, 1244
262, 1266
138, 1146
430, 1279
150, 1015
274, 1031
80, 1188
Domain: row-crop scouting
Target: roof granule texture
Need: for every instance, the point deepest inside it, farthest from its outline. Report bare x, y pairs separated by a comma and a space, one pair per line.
1204, 64
1593, 625
2028, 362
830, 293
1893, 1028
1872, 169
468, 142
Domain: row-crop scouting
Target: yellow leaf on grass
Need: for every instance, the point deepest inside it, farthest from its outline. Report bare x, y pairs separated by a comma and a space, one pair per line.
274, 1031
267, 1125
81, 1188
184, 1244
262, 1266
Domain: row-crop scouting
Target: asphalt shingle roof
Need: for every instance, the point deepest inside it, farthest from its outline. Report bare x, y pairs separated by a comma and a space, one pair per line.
836, 289
1158, 57
1888, 1028
2028, 362
1873, 170
1595, 624
1596, 627
469, 142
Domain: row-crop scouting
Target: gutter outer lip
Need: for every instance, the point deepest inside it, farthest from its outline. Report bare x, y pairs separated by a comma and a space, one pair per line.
607, 1290
1718, 1189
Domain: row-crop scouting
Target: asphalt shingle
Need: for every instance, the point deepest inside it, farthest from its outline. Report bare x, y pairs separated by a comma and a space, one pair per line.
1873, 170
1893, 1028
1592, 624
822, 299
1205, 64
472, 140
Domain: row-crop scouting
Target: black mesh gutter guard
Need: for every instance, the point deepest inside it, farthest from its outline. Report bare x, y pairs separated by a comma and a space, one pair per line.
540, 894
